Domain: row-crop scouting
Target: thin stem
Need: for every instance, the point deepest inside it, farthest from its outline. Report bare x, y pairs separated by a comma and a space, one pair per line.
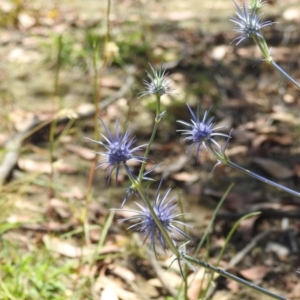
222, 158
263, 46
138, 187
156, 123
263, 179
274, 64
232, 277
56, 106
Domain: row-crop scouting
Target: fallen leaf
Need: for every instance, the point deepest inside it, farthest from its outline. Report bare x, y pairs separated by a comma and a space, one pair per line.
74, 192
25, 20
65, 248
297, 170
277, 170
83, 152
233, 286
295, 294
103, 282
285, 117
280, 250
255, 273
284, 140
258, 140
291, 14
61, 208
197, 283
85, 109
123, 273
110, 83
109, 293
246, 227
219, 52
185, 177
31, 165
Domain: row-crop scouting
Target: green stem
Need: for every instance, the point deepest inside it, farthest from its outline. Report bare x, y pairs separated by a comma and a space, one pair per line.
156, 123
263, 47
137, 186
262, 44
232, 277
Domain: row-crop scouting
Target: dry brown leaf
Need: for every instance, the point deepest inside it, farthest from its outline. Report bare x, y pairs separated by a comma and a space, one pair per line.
110, 83
233, 286
103, 282
246, 227
31, 165
180, 15
255, 273
25, 20
295, 294
65, 248
258, 140
283, 140
297, 170
109, 293
86, 108
61, 208
280, 250
198, 281
74, 192
124, 273
275, 169
219, 52
185, 177
83, 152
285, 117
291, 14
3, 139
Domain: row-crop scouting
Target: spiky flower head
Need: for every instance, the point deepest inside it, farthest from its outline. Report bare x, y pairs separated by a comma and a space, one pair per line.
145, 224
248, 23
200, 132
158, 84
119, 149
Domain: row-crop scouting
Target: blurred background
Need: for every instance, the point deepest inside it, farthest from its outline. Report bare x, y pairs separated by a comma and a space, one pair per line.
64, 64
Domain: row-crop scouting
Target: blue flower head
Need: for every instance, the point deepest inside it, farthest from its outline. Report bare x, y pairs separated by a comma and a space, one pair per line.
248, 23
145, 224
119, 150
158, 84
200, 132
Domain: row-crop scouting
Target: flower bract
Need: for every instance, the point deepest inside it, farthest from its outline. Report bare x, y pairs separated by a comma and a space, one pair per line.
158, 84
145, 224
118, 149
248, 23
200, 132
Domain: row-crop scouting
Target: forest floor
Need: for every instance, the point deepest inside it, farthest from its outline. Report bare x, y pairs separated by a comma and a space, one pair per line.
59, 235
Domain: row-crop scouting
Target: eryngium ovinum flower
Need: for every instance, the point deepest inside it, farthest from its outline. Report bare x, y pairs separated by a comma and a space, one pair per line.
158, 84
200, 132
248, 23
119, 150
144, 223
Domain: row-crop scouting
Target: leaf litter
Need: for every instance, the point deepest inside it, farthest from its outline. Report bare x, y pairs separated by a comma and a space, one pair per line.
44, 219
